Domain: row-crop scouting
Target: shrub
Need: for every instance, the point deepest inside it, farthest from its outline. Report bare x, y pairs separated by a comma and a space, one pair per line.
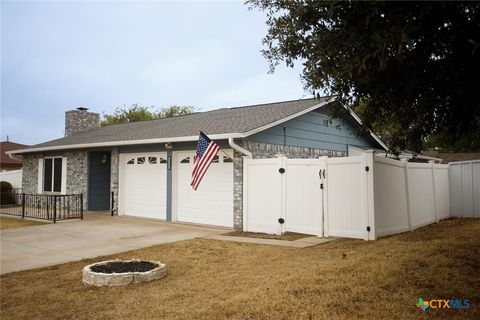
5, 185
7, 195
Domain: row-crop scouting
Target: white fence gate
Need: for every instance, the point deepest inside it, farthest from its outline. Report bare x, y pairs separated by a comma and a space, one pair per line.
465, 188
326, 196
283, 195
349, 197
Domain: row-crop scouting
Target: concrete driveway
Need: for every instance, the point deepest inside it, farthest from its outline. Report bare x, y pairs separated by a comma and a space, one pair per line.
97, 235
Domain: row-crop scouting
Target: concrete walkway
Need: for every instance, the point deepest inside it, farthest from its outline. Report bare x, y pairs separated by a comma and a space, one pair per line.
44, 245
300, 243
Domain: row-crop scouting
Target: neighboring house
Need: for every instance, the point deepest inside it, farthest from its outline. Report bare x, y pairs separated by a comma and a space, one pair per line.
8, 163
404, 155
448, 157
147, 165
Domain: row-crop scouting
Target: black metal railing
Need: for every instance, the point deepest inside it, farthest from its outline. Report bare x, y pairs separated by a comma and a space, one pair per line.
41, 206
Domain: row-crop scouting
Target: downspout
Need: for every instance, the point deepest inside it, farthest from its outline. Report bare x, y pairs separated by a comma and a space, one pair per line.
11, 156
238, 148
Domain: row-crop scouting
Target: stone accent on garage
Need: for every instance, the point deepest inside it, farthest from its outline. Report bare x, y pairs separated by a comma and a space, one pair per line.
77, 172
267, 150
264, 151
237, 191
115, 163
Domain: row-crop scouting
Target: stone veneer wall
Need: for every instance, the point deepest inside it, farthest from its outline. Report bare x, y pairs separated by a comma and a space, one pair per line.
30, 173
77, 172
263, 151
79, 120
114, 177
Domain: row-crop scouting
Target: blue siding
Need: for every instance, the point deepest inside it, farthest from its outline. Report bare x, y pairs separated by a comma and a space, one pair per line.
314, 130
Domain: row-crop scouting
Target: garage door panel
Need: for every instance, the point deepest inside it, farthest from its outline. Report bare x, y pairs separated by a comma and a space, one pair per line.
145, 185
212, 202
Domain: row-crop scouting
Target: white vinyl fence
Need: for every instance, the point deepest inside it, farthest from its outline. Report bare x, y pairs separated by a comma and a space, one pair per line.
409, 195
14, 177
465, 189
363, 196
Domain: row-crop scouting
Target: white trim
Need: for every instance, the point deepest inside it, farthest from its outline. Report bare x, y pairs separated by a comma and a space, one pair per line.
374, 136
40, 176
125, 143
293, 116
63, 186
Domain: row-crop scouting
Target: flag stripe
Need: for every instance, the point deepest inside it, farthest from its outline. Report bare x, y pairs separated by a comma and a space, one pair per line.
204, 163
206, 152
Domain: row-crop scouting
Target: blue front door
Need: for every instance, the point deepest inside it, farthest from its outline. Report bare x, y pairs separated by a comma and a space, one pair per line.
99, 165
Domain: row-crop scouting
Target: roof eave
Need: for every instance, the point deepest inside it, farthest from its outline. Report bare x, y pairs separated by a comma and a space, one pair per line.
124, 143
372, 134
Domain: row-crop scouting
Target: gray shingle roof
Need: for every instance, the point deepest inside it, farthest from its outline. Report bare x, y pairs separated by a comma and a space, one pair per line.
221, 121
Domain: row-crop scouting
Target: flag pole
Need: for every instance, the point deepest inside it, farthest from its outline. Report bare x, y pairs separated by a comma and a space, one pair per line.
200, 131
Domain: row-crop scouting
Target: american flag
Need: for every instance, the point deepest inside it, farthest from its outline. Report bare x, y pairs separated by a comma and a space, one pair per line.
206, 152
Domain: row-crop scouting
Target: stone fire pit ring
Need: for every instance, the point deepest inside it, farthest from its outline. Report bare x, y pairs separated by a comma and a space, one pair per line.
122, 272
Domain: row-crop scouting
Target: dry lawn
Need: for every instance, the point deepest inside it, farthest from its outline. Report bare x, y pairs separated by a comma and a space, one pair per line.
8, 223
209, 279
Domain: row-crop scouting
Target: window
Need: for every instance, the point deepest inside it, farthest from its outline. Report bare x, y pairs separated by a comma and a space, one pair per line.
185, 160
52, 175
162, 160
227, 159
131, 161
141, 160
152, 160
216, 159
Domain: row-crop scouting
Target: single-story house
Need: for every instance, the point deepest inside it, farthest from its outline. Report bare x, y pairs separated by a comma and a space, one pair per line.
147, 165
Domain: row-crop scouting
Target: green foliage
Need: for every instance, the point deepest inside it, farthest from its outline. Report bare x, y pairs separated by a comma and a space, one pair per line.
6, 196
412, 68
5, 185
141, 113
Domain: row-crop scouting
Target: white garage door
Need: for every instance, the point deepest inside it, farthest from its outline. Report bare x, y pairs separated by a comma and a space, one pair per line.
143, 184
212, 202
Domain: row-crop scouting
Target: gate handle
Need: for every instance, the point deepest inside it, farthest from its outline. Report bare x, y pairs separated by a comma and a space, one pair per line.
320, 173
323, 173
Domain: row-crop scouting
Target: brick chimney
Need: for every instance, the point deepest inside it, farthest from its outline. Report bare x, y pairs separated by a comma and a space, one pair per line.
80, 119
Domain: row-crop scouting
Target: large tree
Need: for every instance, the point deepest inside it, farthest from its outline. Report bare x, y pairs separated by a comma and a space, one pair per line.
411, 68
136, 113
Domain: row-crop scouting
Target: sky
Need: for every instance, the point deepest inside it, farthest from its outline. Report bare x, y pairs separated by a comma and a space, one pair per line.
57, 56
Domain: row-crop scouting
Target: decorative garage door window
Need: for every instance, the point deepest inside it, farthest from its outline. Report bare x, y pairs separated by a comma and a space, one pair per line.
217, 159
152, 160
148, 160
